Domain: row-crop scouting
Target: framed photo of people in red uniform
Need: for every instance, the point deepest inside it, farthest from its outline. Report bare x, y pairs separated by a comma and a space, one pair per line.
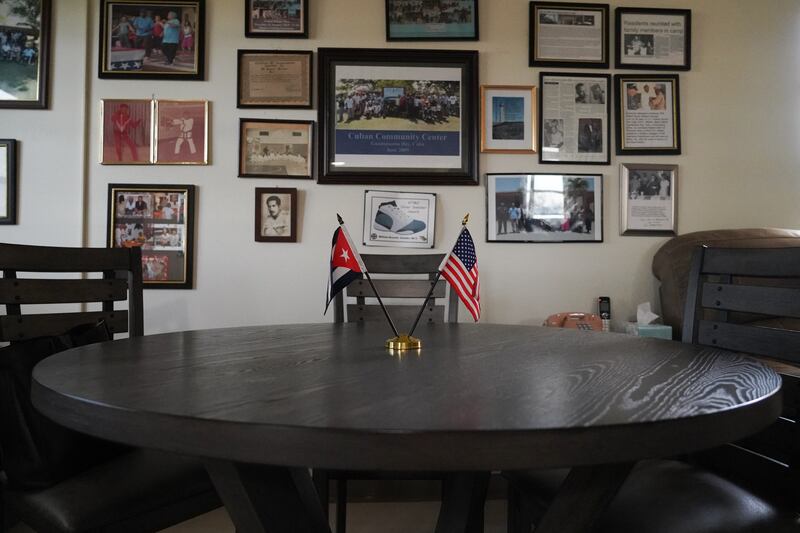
126, 132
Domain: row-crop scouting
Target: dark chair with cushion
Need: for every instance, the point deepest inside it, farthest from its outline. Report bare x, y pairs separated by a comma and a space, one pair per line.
737, 299
54, 479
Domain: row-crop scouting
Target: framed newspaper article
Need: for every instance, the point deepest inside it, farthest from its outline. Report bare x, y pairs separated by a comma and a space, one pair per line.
574, 125
653, 39
399, 219
568, 35
648, 199
648, 114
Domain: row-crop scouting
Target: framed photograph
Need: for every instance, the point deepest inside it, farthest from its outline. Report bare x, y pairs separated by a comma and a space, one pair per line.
270, 148
412, 20
152, 40
648, 114
574, 125
568, 35
181, 132
160, 220
544, 208
126, 132
268, 18
274, 78
508, 115
398, 116
8, 181
648, 199
653, 39
276, 214
399, 219
24, 54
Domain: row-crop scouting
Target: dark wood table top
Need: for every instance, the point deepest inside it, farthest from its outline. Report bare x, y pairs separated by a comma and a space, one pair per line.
477, 397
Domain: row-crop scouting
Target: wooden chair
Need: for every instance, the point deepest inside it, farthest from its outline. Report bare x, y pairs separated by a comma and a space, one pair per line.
126, 490
740, 300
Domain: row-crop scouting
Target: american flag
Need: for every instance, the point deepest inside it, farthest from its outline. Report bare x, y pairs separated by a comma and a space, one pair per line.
460, 269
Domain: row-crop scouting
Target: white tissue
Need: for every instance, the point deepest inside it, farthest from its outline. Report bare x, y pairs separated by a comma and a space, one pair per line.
644, 315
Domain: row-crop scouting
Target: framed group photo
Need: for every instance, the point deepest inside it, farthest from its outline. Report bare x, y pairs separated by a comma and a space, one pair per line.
270, 148
399, 219
574, 123
268, 18
181, 132
276, 214
153, 39
160, 220
544, 207
274, 78
648, 199
648, 114
412, 20
25, 54
8, 181
126, 132
568, 35
398, 116
508, 119
653, 39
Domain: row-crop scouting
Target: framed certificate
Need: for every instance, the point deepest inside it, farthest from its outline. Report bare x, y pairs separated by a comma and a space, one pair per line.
274, 78
568, 35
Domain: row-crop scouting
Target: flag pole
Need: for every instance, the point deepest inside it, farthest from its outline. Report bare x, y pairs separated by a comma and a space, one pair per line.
436, 279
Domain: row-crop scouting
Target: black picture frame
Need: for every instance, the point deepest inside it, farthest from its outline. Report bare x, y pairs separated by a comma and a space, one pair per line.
123, 65
177, 259
671, 107
270, 171
9, 167
647, 41
306, 85
386, 157
437, 31
42, 99
263, 196
537, 17
278, 33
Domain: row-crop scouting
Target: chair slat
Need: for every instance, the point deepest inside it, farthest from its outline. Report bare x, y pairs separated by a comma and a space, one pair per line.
52, 291
402, 315
778, 441
779, 343
768, 262
405, 264
776, 301
24, 258
396, 288
23, 327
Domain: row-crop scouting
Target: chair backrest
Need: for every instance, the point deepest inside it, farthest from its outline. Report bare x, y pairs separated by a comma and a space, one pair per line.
402, 281
121, 270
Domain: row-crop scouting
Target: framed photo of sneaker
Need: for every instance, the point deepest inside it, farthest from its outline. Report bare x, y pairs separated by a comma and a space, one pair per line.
398, 116
399, 219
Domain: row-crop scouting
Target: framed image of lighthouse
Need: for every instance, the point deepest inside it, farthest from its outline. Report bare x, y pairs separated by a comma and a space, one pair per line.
508, 115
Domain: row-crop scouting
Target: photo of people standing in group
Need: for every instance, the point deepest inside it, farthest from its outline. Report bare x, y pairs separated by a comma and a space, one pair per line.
24, 45
277, 18
431, 20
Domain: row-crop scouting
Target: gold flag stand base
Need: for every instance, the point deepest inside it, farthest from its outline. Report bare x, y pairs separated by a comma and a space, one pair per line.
403, 342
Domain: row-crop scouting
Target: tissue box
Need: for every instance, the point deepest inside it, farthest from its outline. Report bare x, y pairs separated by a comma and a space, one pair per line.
659, 331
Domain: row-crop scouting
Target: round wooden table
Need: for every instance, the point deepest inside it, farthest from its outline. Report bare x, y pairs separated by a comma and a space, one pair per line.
263, 403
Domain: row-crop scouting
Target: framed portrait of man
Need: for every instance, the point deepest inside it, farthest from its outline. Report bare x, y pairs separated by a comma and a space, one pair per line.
276, 214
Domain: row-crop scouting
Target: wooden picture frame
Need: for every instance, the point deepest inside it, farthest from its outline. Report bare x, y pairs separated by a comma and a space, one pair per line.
271, 148
272, 214
552, 27
652, 39
126, 131
648, 118
274, 79
8, 181
30, 76
508, 119
292, 22
459, 22
648, 199
177, 137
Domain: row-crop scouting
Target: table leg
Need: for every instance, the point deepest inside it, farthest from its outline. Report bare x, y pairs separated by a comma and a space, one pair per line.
463, 500
268, 499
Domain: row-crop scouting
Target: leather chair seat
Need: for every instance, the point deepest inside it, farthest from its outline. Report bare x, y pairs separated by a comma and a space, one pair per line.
125, 494
672, 497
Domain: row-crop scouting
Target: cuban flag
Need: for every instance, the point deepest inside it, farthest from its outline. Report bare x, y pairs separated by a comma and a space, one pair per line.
346, 264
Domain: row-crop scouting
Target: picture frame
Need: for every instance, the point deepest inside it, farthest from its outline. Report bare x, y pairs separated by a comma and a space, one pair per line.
544, 208
270, 148
274, 79
405, 136
139, 52
648, 119
399, 219
160, 220
574, 123
273, 215
458, 21
508, 119
568, 35
648, 199
288, 21
178, 139
8, 181
126, 131
652, 39
25, 84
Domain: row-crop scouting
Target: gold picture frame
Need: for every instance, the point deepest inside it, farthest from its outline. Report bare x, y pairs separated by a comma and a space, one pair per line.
508, 119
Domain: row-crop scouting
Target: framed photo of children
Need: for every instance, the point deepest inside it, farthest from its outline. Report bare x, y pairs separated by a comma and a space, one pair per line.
653, 39
154, 39
648, 114
270, 148
24, 54
8, 181
648, 199
412, 20
276, 214
568, 35
274, 78
398, 116
160, 220
181, 132
574, 125
544, 207
126, 132
508, 116
268, 18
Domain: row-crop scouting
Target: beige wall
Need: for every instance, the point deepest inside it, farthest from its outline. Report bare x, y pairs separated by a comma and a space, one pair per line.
739, 166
